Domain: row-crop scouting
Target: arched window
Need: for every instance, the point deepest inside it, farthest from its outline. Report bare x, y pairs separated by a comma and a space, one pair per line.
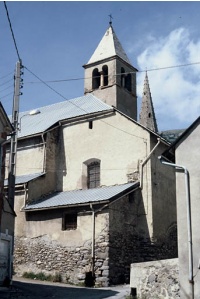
122, 77
93, 175
105, 75
128, 82
95, 79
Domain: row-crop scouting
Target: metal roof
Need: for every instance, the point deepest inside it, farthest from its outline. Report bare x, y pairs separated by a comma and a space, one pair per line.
22, 179
76, 197
51, 114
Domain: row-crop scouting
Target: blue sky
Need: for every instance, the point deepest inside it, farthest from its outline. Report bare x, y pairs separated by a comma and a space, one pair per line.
55, 39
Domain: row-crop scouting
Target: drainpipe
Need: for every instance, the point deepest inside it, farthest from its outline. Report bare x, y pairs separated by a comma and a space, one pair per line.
25, 194
189, 222
44, 153
93, 238
145, 161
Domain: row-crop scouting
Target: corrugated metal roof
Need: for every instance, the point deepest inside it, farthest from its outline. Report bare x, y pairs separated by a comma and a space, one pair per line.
51, 114
22, 179
76, 197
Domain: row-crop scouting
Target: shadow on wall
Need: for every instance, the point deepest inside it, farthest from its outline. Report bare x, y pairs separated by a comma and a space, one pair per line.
129, 236
130, 241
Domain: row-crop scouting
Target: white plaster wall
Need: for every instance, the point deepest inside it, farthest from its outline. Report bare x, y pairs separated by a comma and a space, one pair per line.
187, 154
30, 157
114, 140
118, 143
52, 229
29, 160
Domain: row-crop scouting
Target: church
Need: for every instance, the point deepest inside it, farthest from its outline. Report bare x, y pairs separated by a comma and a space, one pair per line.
91, 196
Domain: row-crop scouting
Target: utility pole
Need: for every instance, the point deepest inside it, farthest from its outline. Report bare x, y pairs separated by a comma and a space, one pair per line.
13, 147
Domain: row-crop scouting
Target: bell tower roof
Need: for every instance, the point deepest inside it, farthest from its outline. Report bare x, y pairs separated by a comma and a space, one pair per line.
147, 115
109, 46
110, 76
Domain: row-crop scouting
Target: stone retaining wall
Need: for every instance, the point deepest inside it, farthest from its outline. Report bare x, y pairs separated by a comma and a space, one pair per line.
113, 256
158, 279
73, 264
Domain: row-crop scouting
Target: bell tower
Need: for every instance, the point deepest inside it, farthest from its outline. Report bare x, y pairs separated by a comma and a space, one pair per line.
110, 76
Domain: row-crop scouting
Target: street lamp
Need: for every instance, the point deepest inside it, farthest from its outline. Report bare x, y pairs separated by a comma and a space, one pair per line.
31, 113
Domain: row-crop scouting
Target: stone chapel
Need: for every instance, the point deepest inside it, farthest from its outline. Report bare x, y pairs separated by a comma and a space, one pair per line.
91, 196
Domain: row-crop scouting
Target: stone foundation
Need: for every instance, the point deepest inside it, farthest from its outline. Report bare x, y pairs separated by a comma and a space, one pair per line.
73, 265
113, 256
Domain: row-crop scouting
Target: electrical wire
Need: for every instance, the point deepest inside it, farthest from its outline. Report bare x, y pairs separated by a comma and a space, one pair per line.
6, 82
69, 101
6, 95
6, 88
42, 81
6, 75
140, 71
14, 40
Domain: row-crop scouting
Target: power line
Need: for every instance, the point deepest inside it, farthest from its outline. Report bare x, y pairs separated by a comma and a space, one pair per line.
6, 95
45, 83
6, 88
6, 75
12, 30
79, 106
6, 82
140, 71
170, 67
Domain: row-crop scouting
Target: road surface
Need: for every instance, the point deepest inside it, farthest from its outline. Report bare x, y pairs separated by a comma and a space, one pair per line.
34, 289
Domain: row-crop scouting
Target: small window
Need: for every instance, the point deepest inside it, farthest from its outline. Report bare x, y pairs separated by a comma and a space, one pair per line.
93, 175
69, 221
90, 124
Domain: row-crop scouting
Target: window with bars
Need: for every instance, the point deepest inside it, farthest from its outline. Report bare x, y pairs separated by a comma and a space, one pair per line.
69, 221
93, 175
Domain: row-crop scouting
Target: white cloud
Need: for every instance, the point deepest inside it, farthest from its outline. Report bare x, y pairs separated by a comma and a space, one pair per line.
175, 91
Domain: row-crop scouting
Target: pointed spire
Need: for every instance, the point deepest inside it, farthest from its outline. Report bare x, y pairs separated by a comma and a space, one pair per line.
108, 47
147, 115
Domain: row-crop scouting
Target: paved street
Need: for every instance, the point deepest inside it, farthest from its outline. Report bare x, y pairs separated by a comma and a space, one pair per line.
31, 289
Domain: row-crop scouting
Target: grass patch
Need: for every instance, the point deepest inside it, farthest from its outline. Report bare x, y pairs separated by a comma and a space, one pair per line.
42, 276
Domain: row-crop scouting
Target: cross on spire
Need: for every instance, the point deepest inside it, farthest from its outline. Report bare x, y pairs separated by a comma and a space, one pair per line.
110, 19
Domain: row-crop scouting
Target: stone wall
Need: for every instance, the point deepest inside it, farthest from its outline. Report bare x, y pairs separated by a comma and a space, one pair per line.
158, 279
72, 264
